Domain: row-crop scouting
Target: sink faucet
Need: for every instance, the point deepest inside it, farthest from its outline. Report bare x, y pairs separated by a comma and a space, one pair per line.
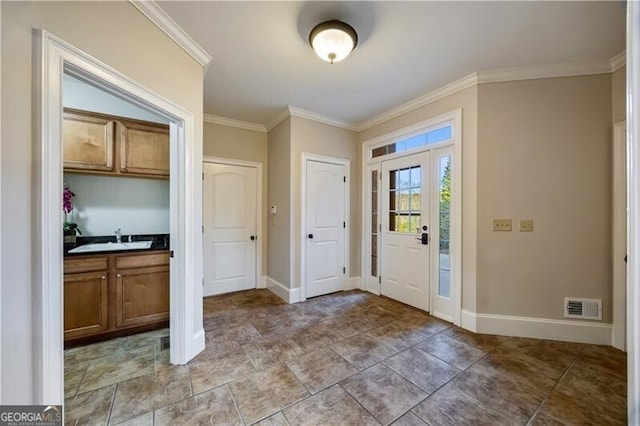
118, 233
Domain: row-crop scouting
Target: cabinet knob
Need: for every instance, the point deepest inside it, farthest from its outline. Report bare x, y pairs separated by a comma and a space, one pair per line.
103, 277
119, 276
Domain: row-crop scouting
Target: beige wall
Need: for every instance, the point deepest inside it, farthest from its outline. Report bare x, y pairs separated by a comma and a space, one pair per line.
143, 53
316, 138
247, 145
544, 153
279, 184
619, 95
467, 100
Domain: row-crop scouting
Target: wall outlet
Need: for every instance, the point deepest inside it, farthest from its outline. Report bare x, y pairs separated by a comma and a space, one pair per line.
526, 225
502, 225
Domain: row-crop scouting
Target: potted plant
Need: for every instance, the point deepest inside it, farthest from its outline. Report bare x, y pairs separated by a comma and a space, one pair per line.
70, 229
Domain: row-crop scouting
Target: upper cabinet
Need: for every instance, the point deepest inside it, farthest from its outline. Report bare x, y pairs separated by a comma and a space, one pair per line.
88, 142
98, 143
144, 148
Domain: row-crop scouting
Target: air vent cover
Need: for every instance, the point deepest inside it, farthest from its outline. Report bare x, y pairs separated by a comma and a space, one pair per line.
575, 307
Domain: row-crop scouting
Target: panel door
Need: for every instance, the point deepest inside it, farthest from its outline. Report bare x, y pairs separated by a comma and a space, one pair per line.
144, 148
85, 304
405, 218
142, 295
325, 223
87, 142
230, 211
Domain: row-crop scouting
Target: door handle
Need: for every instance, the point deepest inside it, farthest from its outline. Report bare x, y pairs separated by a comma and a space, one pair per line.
310, 236
253, 237
423, 238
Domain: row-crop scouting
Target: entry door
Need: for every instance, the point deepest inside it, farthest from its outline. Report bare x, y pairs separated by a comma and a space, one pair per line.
405, 218
230, 210
325, 225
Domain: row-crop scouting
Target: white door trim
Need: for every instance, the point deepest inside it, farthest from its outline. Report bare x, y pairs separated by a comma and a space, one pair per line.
455, 118
619, 243
303, 220
187, 335
260, 283
633, 223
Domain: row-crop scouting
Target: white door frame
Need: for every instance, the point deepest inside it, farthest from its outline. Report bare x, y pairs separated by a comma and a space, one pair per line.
619, 243
633, 222
54, 56
260, 283
303, 220
455, 119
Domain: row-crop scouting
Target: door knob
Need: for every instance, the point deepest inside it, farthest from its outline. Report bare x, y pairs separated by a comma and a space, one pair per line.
310, 236
253, 237
423, 238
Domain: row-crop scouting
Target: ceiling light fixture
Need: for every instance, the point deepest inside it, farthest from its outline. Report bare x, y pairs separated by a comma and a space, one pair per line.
333, 40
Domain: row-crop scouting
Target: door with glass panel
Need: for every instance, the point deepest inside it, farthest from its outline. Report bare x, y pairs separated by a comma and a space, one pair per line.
405, 230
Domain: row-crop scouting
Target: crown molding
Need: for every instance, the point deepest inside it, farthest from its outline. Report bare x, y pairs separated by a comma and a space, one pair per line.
230, 122
618, 61
310, 115
545, 71
442, 92
279, 119
167, 25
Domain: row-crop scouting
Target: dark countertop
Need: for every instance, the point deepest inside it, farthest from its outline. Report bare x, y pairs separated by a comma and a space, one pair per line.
160, 242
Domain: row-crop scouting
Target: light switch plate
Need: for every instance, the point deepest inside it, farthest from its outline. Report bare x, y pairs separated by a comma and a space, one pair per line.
526, 225
502, 225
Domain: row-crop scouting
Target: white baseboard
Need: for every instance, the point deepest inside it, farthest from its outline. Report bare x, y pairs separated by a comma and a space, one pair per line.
289, 295
355, 283
262, 282
538, 328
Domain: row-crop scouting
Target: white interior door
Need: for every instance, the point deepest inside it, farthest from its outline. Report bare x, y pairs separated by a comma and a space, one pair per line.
230, 210
405, 219
325, 225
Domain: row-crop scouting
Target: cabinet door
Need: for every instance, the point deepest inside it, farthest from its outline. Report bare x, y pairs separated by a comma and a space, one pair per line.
144, 149
85, 304
87, 142
142, 295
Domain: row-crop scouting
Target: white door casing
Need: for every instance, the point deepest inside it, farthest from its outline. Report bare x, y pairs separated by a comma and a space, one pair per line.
230, 228
55, 56
619, 230
405, 212
325, 220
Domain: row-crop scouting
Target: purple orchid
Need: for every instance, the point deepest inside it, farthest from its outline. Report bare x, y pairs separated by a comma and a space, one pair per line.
67, 204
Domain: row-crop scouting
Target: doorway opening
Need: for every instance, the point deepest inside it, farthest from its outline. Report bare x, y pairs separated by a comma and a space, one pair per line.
411, 216
187, 335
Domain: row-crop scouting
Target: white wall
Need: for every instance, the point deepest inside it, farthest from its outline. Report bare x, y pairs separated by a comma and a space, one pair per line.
80, 95
105, 203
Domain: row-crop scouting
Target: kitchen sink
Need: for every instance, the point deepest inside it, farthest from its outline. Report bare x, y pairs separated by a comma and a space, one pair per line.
95, 247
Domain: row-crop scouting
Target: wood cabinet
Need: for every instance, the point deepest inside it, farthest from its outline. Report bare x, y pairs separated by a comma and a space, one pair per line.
144, 148
110, 145
142, 293
109, 293
85, 304
88, 142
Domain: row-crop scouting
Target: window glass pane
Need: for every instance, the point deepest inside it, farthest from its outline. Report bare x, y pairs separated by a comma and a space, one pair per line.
433, 136
403, 177
414, 200
416, 224
444, 173
416, 180
392, 179
439, 135
403, 197
374, 257
403, 223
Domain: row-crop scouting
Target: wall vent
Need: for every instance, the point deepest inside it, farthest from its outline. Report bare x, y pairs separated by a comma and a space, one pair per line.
575, 307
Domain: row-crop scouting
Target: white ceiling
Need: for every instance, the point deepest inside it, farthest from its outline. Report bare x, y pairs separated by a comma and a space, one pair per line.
262, 61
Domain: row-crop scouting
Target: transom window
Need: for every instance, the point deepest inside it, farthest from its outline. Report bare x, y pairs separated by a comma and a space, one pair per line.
433, 136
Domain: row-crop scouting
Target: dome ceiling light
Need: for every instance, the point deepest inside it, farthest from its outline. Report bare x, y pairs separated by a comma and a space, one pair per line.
333, 40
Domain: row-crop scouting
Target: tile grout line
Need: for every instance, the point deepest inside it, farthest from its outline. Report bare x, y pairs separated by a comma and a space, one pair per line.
562, 376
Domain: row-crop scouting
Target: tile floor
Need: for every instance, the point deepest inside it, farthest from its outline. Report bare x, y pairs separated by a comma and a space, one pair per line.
342, 359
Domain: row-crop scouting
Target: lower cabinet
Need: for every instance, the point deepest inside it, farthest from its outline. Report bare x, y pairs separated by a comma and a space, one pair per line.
142, 295
85, 304
112, 292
